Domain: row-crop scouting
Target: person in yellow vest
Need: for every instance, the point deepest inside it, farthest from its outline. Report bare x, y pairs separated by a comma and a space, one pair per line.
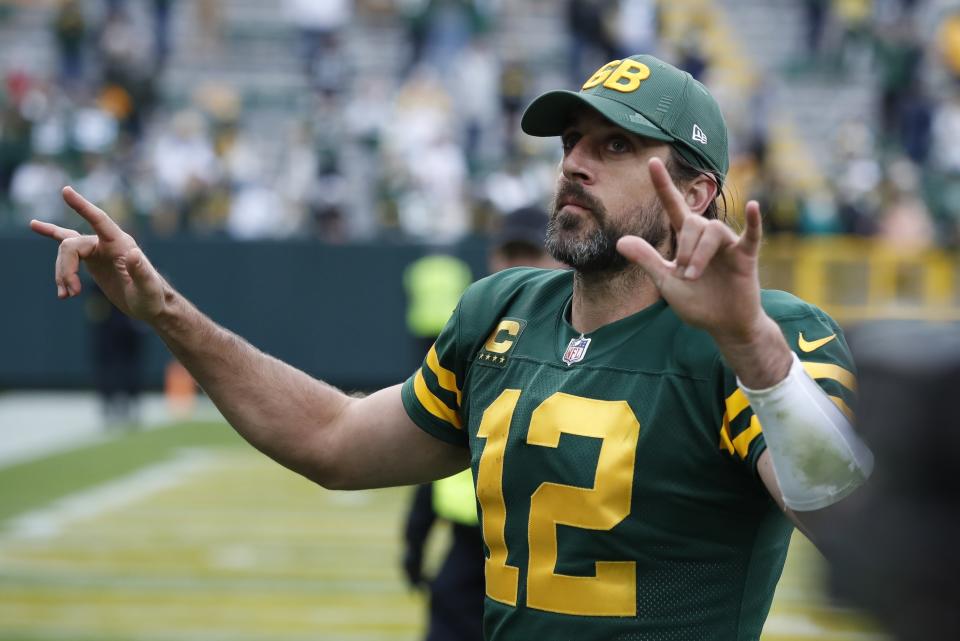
457, 590
433, 284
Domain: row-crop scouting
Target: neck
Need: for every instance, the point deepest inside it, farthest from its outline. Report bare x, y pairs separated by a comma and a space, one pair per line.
602, 298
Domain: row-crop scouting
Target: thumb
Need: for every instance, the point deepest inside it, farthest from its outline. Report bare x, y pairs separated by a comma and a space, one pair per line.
639, 251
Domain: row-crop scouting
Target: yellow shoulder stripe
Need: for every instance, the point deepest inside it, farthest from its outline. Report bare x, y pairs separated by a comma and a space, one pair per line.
725, 442
446, 378
737, 403
833, 372
741, 443
433, 404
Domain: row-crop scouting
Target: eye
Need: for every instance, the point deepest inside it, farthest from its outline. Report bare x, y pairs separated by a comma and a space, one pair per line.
619, 145
568, 140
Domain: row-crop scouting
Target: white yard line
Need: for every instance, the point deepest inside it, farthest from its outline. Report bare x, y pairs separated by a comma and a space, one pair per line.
52, 520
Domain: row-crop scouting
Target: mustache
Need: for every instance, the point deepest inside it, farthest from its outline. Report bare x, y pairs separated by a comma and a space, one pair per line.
573, 191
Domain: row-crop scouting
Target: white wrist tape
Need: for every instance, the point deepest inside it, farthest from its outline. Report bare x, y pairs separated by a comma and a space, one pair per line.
817, 456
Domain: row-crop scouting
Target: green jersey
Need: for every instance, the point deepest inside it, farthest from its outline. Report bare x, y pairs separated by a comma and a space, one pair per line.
615, 471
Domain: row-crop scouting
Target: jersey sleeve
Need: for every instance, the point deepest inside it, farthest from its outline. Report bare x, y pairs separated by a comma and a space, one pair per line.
432, 396
819, 343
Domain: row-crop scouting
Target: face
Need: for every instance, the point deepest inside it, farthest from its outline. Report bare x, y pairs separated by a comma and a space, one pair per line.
603, 192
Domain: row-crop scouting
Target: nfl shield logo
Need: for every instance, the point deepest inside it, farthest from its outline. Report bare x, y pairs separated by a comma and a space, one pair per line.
576, 350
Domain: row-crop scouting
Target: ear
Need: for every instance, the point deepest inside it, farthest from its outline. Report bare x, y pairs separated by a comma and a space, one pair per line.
699, 193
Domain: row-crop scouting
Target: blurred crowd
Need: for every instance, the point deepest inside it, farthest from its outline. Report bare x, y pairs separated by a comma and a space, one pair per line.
892, 172
404, 118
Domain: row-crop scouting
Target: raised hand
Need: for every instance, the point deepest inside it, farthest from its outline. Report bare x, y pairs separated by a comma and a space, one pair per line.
712, 283
112, 257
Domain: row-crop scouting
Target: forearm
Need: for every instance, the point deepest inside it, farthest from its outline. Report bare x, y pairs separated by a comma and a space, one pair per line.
280, 410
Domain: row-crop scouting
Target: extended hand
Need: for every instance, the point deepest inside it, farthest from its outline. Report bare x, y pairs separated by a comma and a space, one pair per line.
712, 283
112, 257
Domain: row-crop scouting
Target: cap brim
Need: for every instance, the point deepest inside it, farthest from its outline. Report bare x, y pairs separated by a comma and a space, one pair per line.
550, 114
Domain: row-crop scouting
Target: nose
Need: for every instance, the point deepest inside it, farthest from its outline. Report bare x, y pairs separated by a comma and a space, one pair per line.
577, 163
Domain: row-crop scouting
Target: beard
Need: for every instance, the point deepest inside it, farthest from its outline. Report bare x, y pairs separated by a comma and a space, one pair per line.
594, 250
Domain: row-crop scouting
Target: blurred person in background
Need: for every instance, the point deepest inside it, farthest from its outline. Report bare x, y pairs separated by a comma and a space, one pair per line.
439, 30
477, 103
321, 26
857, 177
117, 346
327, 201
431, 165
457, 590
854, 49
16, 139
518, 241
162, 10
70, 31
899, 54
817, 15
590, 37
128, 67
186, 168
209, 19
514, 84
905, 222
636, 26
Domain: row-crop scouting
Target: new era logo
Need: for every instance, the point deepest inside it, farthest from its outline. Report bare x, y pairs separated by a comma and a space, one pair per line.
698, 135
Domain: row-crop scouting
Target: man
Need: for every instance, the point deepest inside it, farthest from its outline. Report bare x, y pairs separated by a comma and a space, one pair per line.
518, 241
625, 486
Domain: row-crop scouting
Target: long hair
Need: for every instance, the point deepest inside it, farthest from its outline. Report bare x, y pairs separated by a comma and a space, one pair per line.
682, 172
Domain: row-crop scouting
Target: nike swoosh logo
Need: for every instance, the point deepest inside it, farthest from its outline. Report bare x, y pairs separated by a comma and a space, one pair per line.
809, 346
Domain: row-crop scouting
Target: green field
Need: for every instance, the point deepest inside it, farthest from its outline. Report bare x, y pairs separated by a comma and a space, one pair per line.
187, 534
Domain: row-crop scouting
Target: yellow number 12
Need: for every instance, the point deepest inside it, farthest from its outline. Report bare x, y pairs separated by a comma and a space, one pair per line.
612, 591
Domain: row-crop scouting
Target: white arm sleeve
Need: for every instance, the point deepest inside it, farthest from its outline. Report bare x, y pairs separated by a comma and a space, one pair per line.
816, 454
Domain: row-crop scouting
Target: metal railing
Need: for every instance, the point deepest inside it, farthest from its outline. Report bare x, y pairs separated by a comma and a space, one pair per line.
857, 279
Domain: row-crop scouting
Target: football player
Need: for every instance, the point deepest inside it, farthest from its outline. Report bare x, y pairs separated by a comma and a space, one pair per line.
643, 430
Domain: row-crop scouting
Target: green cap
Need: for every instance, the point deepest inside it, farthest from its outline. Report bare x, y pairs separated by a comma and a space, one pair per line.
649, 97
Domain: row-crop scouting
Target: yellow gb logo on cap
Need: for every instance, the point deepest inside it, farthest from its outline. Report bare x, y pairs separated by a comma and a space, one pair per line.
620, 75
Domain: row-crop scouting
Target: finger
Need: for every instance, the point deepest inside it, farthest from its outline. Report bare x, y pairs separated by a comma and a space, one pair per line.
753, 234
714, 237
668, 193
52, 231
639, 251
72, 251
102, 224
687, 240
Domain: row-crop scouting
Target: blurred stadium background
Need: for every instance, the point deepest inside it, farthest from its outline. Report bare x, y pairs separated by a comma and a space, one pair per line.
282, 162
